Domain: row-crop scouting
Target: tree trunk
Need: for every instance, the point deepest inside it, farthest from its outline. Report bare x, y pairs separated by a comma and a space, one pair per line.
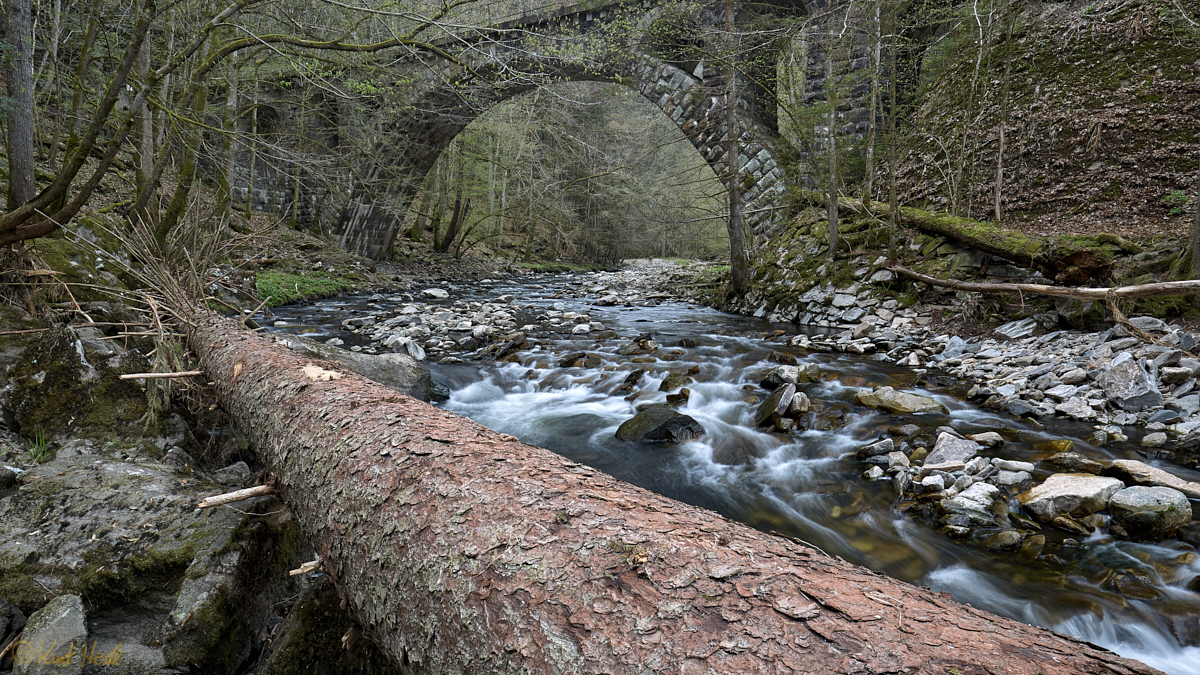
738, 267
19, 131
458, 549
831, 201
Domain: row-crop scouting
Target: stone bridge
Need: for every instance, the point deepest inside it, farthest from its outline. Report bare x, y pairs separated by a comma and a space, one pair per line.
655, 46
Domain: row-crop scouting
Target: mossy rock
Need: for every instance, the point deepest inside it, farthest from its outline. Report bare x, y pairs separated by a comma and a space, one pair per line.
62, 385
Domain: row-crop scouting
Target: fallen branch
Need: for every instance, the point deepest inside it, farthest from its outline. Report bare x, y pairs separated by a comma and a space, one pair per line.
1079, 293
162, 376
306, 567
236, 496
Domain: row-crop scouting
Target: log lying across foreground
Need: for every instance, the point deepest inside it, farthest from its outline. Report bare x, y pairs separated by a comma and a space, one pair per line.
462, 550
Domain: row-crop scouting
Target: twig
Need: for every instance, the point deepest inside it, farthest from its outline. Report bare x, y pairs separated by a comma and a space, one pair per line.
160, 376
306, 567
236, 496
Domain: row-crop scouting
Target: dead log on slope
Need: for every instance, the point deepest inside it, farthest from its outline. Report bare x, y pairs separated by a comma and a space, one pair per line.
1058, 258
1154, 290
462, 550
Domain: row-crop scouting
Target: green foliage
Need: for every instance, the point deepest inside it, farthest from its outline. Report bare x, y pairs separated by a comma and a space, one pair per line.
1176, 200
39, 446
284, 287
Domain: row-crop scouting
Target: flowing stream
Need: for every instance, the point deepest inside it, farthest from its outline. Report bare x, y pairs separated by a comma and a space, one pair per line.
1128, 597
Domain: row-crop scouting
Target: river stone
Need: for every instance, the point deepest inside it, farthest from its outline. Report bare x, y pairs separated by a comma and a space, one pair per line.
990, 439
436, 293
887, 398
1150, 513
397, 371
808, 372
1075, 407
775, 405
955, 347
799, 405
1012, 465
1012, 478
674, 381
1128, 385
1074, 493
1017, 329
1072, 462
1002, 540
951, 448
1133, 472
975, 502
1032, 546
883, 447
780, 375
1149, 324
659, 424
54, 639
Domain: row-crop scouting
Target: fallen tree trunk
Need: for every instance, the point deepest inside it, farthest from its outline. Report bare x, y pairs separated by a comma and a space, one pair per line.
462, 550
1079, 293
1058, 258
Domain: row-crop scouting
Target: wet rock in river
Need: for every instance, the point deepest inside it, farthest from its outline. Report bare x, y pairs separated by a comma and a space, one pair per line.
775, 406
1031, 546
799, 405
679, 398
674, 381
1071, 493
990, 439
1069, 524
887, 398
1133, 472
1150, 513
659, 424
780, 375
1072, 462
951, 448
883, 447
1002, 540
975, 503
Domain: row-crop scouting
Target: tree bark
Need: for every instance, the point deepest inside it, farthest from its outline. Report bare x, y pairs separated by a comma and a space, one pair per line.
19, 132
738, 267
458, 549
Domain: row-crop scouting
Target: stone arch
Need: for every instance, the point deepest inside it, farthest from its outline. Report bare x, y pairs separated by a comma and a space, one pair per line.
693, 99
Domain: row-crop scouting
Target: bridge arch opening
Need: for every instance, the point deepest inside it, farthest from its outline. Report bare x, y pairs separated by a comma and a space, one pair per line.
581, 171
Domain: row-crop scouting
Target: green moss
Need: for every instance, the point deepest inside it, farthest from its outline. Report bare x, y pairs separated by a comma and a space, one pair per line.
284, 287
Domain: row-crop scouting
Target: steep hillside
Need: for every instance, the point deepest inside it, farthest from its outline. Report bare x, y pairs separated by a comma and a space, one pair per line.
1101, 132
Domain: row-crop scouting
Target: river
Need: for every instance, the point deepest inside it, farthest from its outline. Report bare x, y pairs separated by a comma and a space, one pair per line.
1128, 597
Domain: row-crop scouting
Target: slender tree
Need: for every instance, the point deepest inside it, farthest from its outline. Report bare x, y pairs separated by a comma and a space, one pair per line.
20, 116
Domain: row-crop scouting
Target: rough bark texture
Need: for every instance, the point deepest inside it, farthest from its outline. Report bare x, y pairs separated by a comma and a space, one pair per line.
462, 550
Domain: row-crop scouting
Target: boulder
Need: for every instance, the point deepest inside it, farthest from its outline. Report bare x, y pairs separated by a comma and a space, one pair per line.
887, 398
1133, 472
989, 438
775, 406
1002, 540
659, 424
799, 405
674, 381
1150, 513
808, 372
1127, 384
436, 293
1074, 493
951, 448
780, 375
54, 639
975, 503
1079, 313
397, 371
